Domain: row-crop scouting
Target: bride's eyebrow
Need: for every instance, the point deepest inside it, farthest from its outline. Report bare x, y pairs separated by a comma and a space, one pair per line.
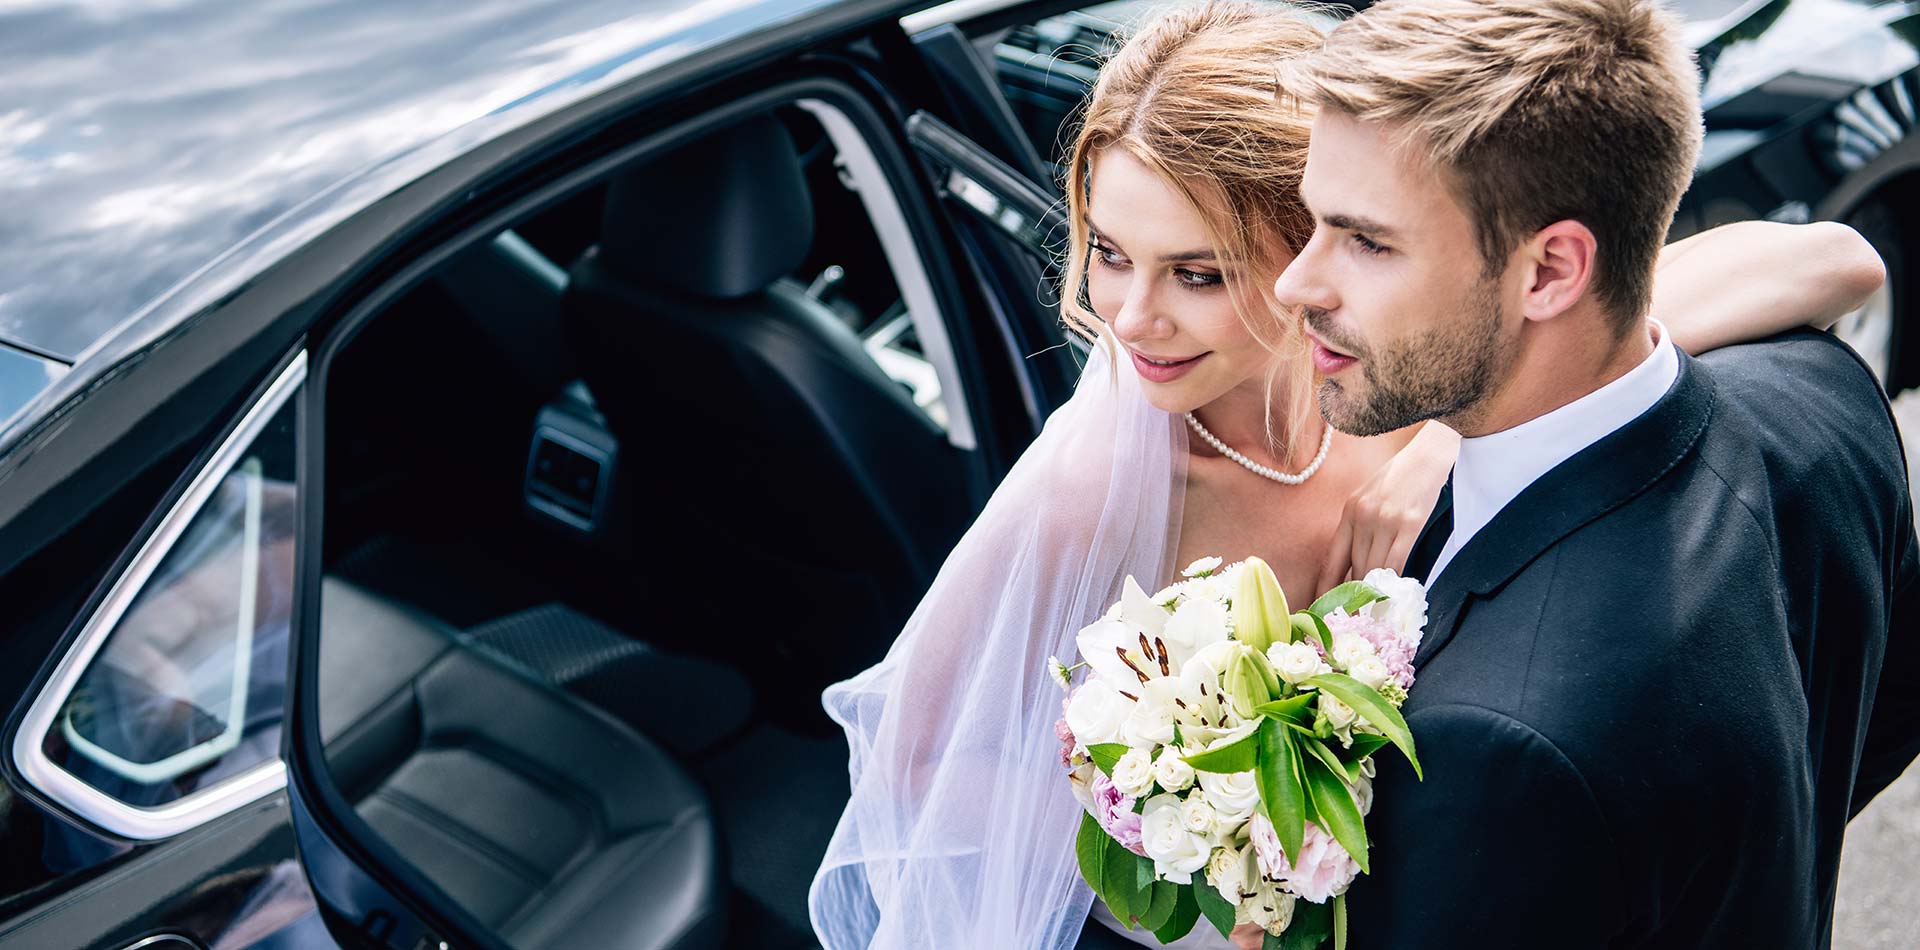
1202, 255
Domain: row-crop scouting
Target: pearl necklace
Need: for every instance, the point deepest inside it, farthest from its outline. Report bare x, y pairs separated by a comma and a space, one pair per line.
1326, 441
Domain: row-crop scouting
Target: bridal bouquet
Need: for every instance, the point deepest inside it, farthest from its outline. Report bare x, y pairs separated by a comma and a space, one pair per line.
1223, 747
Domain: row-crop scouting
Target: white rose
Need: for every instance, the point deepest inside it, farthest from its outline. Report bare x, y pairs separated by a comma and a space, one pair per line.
1205, 565
1133, 774
1171, 771
1233, 796
1176, 852
1339, 715
1296, 661
1349, 649
1096, 712
1198, 815
1227, 872
1363, 794
1405, 605
1371, 671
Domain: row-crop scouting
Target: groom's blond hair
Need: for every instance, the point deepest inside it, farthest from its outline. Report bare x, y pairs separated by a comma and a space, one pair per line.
1539, 111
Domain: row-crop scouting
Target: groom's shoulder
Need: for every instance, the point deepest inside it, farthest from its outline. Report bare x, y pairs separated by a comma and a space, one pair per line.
1797, 407
1797, 379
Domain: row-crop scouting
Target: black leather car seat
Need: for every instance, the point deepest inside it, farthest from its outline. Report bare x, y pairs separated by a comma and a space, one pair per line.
553, 823
762, 437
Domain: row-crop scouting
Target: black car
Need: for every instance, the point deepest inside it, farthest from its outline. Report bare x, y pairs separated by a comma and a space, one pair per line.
448, 446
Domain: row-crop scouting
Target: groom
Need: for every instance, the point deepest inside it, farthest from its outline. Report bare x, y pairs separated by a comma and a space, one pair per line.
1673, 640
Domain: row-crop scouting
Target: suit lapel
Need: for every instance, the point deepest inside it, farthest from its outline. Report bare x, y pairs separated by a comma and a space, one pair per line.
1597, 479
1433, 537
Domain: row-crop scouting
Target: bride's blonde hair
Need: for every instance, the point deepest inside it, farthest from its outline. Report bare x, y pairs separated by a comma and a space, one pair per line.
1195, 96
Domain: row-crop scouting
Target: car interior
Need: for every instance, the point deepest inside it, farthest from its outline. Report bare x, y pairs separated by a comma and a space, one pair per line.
609, 498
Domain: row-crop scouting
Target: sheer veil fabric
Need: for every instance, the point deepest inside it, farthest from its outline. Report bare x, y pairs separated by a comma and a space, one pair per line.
959, 832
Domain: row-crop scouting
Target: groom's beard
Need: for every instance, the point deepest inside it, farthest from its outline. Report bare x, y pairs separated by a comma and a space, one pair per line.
1440, 373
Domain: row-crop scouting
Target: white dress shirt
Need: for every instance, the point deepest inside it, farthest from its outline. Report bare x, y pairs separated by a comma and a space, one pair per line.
1494, 469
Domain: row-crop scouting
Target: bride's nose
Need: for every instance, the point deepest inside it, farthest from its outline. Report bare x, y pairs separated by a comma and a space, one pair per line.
1140, 318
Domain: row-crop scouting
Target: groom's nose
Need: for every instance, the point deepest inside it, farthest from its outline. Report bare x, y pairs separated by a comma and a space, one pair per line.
1302, 282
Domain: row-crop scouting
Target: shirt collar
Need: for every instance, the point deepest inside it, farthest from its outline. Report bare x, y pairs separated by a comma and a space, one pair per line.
1493, 469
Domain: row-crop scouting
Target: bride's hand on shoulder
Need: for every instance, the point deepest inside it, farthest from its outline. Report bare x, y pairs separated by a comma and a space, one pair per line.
1383, 517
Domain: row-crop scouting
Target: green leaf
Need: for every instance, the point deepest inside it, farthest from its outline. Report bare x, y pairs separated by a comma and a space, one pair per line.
1105, 754
1237, 756
1162, 896
1186, 913
1312, 923
1339, 816
1304, 628
1350, 597
1091, 847
1216, 907
1340, 922
1281, 794
1319, 750
1121, 884
1371, 707
1293, 709
1364, 744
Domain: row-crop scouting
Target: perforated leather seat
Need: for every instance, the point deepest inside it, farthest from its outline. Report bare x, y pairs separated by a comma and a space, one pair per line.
551, 822
767, 439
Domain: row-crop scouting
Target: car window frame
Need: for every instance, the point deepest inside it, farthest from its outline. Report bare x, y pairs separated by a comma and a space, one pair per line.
68, 791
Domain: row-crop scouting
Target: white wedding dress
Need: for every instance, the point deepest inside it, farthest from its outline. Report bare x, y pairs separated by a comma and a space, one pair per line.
960, 829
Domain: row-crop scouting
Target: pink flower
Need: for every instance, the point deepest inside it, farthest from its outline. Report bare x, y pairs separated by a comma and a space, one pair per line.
1326, 869
1066, 742
1395, 652
1115, 814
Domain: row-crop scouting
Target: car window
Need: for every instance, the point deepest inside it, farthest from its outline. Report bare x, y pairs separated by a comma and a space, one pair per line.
182, 686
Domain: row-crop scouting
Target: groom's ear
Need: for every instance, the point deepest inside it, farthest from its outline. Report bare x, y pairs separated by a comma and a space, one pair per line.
1557, 266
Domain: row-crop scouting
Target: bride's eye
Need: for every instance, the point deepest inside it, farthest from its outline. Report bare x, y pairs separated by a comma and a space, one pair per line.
1194, 278
1368, 245
1106, 256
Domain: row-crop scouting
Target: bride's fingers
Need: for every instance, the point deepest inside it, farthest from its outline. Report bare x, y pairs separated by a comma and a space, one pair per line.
1402, 549
1339, 556
1378, 541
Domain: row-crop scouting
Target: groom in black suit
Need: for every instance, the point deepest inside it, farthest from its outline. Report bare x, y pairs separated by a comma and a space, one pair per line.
1674, 621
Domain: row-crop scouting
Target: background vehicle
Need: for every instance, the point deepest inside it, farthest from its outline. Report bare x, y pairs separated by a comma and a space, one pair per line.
449, 447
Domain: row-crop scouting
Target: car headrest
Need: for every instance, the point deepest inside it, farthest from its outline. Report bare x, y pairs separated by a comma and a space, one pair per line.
724, 216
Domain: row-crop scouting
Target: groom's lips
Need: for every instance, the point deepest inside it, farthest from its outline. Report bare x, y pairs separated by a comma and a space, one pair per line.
1328, 360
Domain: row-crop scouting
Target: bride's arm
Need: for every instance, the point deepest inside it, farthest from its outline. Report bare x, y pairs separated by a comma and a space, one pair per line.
1752, 279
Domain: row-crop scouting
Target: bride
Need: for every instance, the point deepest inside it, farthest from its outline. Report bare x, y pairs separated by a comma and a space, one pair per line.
1192, 433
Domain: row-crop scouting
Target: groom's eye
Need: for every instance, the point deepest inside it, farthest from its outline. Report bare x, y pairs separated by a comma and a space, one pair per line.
1368, 245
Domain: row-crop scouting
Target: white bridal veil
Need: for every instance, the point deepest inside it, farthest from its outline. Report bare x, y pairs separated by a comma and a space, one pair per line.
960, 828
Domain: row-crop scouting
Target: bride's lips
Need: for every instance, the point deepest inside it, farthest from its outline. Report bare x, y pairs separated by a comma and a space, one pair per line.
1328, 360
1163, 370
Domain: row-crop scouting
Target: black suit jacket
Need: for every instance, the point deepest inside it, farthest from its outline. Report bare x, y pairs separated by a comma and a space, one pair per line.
1657, 684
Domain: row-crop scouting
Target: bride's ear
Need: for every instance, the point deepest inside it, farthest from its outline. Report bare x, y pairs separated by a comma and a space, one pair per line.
1559, 261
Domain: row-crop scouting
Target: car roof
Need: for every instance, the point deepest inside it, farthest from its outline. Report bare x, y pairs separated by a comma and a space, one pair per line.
140, 140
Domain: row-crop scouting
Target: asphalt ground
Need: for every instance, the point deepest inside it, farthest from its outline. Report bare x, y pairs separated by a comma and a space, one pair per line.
1878, 907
